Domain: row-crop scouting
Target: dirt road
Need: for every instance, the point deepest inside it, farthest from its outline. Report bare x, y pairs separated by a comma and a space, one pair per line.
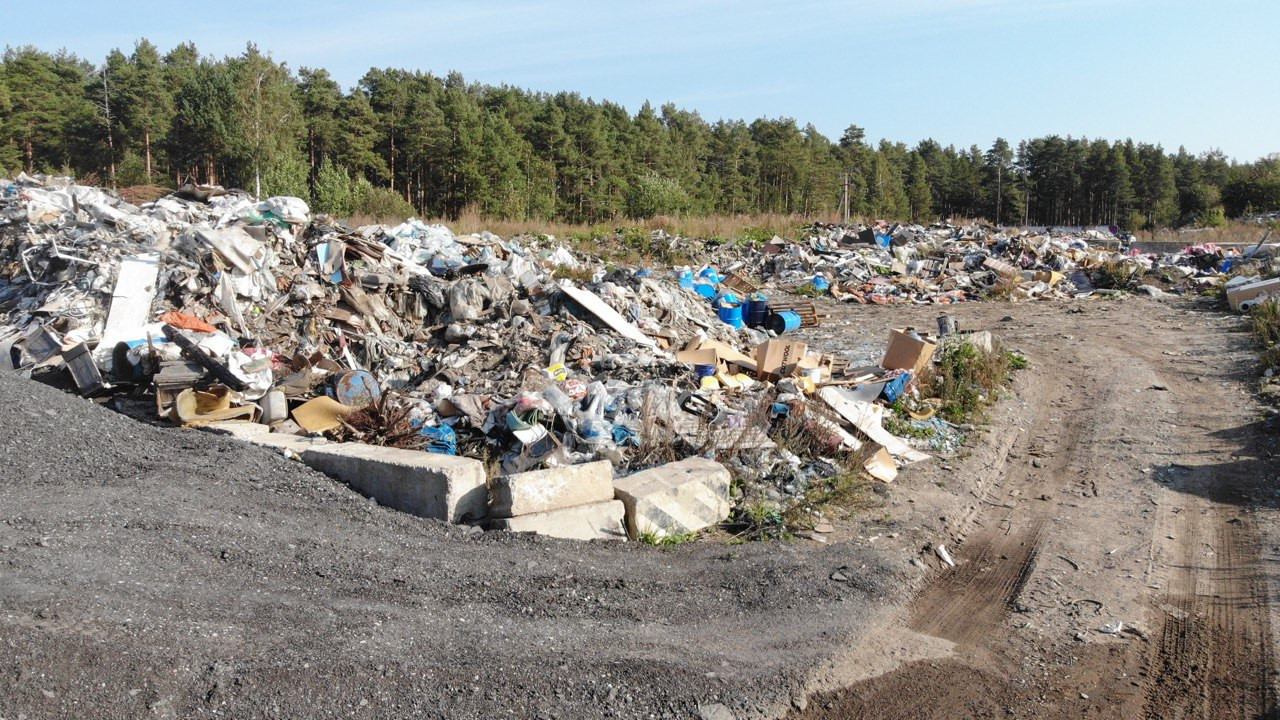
152, 572
1132, 481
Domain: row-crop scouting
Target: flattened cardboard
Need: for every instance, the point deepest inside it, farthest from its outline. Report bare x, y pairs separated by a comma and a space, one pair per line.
713, 352
320, 414
867, 417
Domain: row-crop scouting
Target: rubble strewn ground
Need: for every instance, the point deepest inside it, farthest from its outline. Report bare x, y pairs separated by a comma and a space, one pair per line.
137, 560
529, 383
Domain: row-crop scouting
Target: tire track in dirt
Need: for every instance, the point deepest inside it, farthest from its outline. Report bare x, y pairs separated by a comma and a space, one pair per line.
1213, 657
969, 603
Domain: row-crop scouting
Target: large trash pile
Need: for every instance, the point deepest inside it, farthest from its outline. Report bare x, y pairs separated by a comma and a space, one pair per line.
214, 306
219, 307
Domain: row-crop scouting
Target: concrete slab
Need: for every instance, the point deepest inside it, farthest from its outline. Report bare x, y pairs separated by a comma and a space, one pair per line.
550, 489
260, 434
675, 498
594, 521
444, 487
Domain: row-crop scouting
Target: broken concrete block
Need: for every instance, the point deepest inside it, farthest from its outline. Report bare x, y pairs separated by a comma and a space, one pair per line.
550, 489
593, 521
675, 498
444, 487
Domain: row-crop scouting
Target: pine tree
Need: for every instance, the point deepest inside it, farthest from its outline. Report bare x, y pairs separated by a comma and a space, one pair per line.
147, 101
919, 198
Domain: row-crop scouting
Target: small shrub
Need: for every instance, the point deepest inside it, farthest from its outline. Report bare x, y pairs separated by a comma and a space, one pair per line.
285, 175
1265, 318
336, 191
381, 203
1114, 275
965, 379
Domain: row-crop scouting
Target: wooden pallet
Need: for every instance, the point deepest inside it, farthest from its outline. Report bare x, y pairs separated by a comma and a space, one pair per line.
808, 312
740, 283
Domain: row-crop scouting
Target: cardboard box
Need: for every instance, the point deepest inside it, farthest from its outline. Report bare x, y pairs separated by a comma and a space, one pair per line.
907, 353
1244, 293
713, 352
776, 359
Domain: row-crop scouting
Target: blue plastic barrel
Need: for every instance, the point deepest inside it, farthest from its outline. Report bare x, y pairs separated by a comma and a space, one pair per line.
706, 290
731, 314
783, 322
757, 311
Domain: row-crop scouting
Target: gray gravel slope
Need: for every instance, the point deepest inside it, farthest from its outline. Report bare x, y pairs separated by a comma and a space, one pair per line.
157, 572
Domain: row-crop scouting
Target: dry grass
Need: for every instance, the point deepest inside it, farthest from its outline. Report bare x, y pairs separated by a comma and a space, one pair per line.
711, 226
383, 422
1235, 233
139, 194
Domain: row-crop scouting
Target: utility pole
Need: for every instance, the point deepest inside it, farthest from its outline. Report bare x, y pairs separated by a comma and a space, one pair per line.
106, 111
999, 188
844, 201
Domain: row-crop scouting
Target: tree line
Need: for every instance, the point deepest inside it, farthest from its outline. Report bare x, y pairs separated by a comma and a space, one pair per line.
437, 146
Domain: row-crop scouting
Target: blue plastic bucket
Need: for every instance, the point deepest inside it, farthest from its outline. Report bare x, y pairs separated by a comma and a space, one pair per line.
757, 311
726, 298
731, 314
783, 322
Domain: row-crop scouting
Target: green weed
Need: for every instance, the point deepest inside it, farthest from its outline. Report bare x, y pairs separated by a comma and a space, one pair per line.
656, 540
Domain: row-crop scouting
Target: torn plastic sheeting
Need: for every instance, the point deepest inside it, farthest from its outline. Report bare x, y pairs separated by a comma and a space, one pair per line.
291, 210
235, 245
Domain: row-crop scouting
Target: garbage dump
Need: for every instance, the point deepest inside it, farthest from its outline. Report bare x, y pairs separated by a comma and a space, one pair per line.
943, 263
620, 400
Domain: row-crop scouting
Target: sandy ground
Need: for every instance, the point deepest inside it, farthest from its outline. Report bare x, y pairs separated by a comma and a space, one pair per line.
1130, 481
154, 572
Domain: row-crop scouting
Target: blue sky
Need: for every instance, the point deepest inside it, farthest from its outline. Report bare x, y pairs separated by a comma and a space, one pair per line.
1200, 73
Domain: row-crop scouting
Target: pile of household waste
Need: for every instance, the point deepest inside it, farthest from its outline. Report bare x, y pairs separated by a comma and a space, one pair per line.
213, 307
943, 263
